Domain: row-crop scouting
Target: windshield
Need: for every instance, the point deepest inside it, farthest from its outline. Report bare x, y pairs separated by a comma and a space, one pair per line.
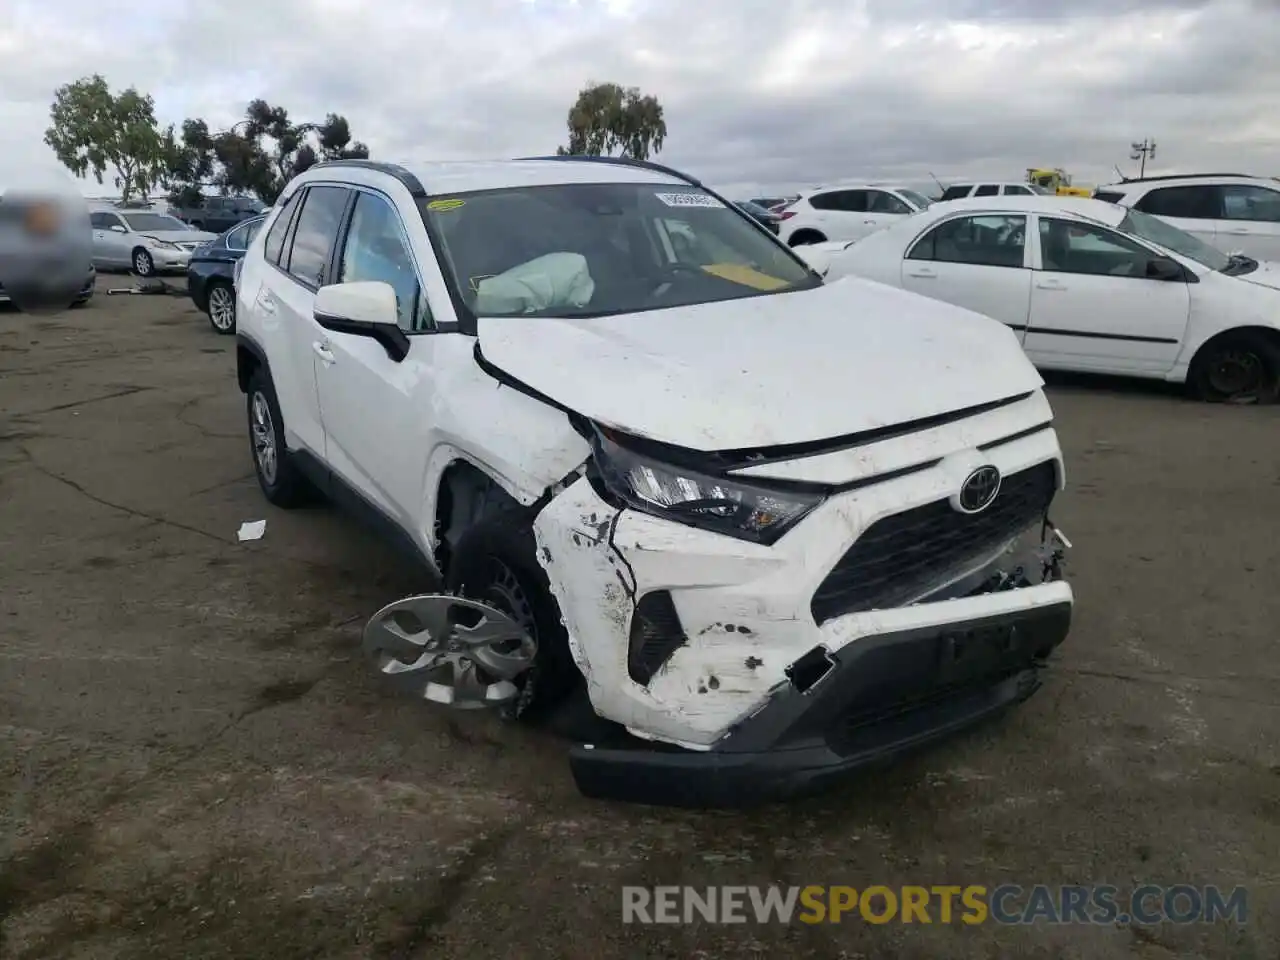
577, 250
919, 199
1170, 237
150, 222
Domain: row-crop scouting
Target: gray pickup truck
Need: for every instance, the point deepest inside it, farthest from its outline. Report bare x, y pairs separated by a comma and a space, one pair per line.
218, 214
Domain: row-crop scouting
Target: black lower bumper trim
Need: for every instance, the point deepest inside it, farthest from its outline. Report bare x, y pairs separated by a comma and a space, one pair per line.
885, 696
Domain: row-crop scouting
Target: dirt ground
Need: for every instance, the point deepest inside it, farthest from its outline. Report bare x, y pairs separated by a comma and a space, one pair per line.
195, 762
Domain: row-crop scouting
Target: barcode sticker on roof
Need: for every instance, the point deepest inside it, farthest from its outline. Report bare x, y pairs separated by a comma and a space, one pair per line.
688, 200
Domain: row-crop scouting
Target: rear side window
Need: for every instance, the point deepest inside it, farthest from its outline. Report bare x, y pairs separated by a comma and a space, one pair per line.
317, 230
986, 190
957, 192
1015, 189
988, 241
848, 201
1108, 196
274, 246
1190, 202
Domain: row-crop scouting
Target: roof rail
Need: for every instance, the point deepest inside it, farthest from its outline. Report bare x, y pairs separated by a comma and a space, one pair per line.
412, 183
1189, 176
627, 162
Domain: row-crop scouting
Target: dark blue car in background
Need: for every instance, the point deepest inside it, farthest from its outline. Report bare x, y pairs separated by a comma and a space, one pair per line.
211, 274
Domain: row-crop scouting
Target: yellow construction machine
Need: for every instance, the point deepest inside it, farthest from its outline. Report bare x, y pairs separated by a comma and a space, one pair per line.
1057, 180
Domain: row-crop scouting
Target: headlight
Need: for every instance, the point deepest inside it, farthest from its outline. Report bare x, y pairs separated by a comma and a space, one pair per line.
160, 244
733, 507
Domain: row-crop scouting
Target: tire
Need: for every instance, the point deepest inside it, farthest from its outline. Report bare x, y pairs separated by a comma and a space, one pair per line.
143, 264
1236, 368
221, 300
282, 483
804, 237
495, 562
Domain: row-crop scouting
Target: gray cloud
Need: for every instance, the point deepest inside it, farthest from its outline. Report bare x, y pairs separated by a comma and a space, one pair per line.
757, 92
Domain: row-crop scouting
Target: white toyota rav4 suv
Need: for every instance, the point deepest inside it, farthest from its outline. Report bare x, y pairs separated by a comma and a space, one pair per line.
769, 528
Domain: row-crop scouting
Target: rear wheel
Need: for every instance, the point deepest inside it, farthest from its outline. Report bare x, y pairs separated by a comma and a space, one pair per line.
222, 307
804, 237
281, 481
495, 562
1236, 368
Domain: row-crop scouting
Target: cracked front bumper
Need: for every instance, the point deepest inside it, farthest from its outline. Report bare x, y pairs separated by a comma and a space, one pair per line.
880, 698
744, 615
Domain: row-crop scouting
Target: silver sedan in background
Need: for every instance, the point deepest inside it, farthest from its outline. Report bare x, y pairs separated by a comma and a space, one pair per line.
143, 241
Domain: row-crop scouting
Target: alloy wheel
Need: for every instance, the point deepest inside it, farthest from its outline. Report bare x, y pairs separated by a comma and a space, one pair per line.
264, 438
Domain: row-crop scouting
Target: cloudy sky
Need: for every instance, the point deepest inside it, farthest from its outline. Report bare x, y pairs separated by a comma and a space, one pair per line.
759, 94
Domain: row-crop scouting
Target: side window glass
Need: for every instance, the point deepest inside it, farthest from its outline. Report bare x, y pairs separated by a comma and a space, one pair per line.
986, 190
825, 201
1015, 190
881, 202
1107, 196
1068, 247
274, 246
237, 239
251, 231
1191, 203
989, 241
375, 249
101, 221
1247, 202
853, 201
316, 232
957, 192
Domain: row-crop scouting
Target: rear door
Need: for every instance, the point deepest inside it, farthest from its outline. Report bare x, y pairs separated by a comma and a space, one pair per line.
1194, 208
286, 301
976, 261
841, 213
1250, 221
1093, 307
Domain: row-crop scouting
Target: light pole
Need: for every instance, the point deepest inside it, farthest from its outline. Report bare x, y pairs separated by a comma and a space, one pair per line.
1143, 151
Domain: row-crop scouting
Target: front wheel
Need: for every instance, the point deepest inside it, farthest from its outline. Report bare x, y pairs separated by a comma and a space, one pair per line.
495, 562
222, 308
1237, 368
143, 265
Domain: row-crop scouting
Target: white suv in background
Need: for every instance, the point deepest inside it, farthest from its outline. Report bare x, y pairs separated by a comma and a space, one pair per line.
960, 191
846, 213
779, 526
1233, 212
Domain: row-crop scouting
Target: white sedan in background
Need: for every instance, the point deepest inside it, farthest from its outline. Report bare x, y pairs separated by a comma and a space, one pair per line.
1088, 286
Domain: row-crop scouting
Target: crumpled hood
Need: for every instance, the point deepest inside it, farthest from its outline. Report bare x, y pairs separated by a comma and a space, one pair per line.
183, 237
783, 368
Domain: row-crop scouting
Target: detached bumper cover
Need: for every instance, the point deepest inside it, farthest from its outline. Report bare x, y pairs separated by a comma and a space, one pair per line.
882, 696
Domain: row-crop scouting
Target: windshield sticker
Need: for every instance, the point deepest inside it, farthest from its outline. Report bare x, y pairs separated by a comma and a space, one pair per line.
689, 200
442, 206
747, 276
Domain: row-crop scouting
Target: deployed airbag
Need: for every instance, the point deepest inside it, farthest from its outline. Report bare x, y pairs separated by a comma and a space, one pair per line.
555, 280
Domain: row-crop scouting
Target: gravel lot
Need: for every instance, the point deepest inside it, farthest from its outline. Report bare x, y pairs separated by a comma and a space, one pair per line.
194, 761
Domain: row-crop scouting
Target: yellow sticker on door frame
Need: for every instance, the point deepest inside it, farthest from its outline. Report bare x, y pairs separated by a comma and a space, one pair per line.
443, 206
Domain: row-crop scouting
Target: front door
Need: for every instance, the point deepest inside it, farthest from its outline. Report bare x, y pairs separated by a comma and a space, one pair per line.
1250, 221
377, 424
1093, 307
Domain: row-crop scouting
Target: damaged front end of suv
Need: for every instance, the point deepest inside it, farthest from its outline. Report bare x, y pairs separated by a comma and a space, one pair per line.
757, 622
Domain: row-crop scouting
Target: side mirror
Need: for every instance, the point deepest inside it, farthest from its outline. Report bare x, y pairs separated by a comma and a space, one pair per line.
366, 308
1163, 268
116, 228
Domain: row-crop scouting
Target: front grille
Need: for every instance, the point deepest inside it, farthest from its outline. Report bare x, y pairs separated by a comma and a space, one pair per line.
902, 556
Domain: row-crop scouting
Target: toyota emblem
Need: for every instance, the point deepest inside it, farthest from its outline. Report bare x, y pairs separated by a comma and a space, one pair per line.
979, 489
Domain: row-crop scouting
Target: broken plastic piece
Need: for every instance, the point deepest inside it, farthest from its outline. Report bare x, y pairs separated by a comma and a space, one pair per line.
252, 530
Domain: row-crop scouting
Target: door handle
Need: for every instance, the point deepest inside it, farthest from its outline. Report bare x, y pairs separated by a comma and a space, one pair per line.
1050, 285
923, 275
323, 352
1236, 231
267, 303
